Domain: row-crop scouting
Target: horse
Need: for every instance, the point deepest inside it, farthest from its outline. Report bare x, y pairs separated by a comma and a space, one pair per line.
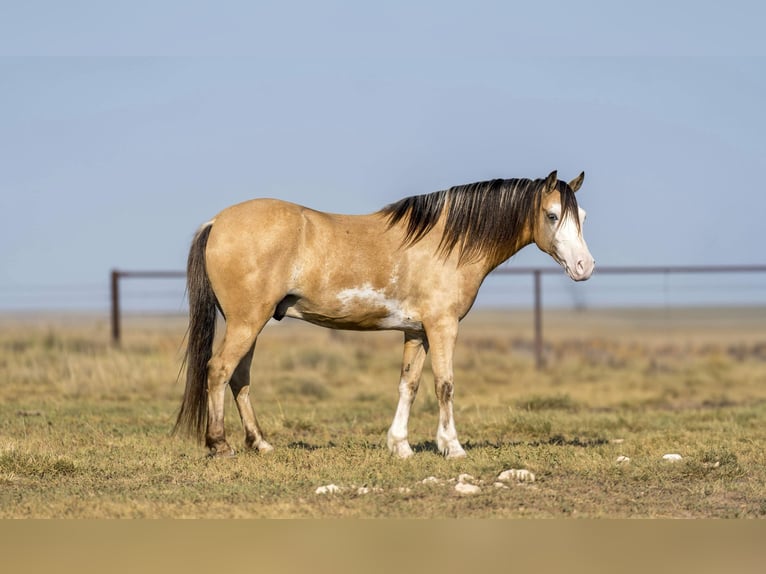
414, 266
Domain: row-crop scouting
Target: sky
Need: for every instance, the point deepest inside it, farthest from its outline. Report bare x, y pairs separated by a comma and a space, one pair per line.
125, 125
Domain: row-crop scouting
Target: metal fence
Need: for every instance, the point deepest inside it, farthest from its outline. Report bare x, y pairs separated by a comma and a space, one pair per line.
535, 272
115, 277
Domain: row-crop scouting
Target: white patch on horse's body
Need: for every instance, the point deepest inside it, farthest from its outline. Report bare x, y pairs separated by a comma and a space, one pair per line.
394, 274
367, 297
296, 273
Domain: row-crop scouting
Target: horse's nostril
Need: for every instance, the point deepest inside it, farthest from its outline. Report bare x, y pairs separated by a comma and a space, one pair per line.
580, 266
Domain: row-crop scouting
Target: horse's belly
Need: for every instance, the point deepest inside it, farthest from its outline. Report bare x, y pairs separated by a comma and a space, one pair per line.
360, 308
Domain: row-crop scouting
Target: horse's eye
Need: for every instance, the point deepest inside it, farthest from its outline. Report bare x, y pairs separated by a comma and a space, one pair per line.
553, 217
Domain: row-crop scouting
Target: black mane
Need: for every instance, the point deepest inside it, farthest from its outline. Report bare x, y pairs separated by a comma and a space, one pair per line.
483, 218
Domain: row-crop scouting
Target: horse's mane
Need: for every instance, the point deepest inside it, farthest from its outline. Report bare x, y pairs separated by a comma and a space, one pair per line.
483, 218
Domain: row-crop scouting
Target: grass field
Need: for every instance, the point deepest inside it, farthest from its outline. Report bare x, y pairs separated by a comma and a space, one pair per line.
84, 427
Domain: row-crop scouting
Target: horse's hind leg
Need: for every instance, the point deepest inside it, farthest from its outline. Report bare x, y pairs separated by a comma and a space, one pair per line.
415, 349
237, 342
240, 388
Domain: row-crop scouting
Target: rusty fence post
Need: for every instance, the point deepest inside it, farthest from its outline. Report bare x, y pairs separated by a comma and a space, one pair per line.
539, 363
115, 291
539, 360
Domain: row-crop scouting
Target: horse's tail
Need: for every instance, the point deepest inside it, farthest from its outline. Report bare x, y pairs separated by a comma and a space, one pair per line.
192, 417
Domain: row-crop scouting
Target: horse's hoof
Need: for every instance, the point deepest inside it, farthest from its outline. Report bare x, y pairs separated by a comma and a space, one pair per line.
260, 445
401, 449
450, 448
453, 450
455, 454
224, 451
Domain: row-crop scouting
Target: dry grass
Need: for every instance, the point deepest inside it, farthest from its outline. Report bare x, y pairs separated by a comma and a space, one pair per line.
84, 427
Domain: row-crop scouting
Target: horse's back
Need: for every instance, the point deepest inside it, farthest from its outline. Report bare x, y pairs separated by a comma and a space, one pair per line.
290, 247
261, 211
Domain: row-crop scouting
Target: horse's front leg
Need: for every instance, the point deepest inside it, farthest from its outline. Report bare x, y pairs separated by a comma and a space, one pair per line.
442, 336
415, 349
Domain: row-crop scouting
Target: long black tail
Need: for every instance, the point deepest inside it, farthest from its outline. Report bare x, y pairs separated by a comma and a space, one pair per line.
192, 417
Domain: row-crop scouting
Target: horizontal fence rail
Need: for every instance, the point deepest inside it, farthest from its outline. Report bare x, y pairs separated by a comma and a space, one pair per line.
115, 278
536, 273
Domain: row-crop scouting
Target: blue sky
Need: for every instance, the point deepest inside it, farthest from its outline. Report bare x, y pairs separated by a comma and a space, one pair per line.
123, 126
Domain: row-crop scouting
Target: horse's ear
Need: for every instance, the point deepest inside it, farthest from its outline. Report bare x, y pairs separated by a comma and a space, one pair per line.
551, 181
576, 183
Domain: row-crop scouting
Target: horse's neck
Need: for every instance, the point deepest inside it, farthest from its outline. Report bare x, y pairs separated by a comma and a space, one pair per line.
517, 244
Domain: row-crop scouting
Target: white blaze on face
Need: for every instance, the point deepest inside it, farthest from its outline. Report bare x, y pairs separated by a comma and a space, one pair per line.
568, 246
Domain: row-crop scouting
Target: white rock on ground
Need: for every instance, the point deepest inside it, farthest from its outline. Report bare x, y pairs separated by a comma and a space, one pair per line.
623, 459
465, 488
517, 474
672, 457
431, 480
328, 489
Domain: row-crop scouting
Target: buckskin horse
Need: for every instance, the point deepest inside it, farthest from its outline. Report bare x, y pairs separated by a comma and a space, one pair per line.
414, 266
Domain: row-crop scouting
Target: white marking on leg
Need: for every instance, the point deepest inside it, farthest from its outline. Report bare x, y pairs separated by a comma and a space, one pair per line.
446, 435
263, 447
397, 434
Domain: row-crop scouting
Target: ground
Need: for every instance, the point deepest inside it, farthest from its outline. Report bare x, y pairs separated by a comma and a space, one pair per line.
85, 427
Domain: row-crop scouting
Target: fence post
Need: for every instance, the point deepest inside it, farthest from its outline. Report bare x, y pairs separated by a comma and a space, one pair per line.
115, 307
538, 320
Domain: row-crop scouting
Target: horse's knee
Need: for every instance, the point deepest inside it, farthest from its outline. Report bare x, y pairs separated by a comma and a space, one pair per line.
218, 373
